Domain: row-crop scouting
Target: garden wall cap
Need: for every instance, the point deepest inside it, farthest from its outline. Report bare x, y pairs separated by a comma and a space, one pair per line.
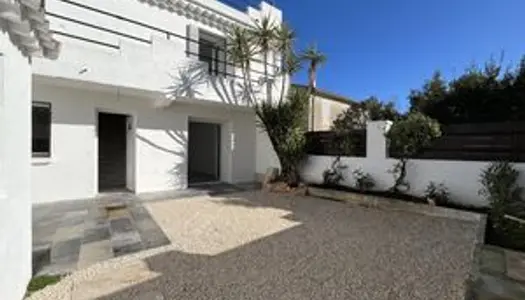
27, 27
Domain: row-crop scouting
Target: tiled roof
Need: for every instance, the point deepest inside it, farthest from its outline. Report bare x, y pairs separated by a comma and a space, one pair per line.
26, 24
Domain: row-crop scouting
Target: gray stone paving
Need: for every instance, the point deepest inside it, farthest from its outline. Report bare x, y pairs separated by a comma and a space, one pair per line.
76, 234
501, 275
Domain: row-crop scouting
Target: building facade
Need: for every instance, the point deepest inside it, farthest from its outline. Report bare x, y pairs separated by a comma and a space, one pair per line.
324, 108
143, 99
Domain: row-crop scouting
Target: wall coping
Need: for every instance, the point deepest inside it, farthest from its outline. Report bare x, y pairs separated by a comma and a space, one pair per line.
212, 13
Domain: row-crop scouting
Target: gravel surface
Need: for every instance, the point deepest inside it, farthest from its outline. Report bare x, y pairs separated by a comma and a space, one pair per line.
254, 245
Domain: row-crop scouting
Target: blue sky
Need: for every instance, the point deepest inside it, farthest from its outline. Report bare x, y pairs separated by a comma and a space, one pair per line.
386, 47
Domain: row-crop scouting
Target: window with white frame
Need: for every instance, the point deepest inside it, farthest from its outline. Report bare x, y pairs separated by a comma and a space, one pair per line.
41, 129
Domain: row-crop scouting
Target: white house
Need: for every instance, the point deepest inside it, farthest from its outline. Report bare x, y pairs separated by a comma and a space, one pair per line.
143, 98
25, 35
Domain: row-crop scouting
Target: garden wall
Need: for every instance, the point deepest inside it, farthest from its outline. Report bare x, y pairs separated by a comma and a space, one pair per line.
460, 177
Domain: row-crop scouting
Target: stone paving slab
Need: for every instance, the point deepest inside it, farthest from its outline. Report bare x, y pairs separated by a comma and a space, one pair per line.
500, 275
515, 262
76, 235
93, 252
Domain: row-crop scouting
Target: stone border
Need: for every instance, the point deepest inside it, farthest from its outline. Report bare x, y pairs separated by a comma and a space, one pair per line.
395, 205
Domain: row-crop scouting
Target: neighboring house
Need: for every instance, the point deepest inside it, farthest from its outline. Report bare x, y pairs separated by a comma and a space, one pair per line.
24, 36
325, 109
143, 99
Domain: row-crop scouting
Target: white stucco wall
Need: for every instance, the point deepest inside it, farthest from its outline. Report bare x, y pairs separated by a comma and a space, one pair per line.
168, 67
160, 140
460, 177
15, 150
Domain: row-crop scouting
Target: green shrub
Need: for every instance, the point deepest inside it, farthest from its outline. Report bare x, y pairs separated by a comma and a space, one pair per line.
406, 138
363, 181
413, 133
437, 194
283, 121
500, 188
334, 175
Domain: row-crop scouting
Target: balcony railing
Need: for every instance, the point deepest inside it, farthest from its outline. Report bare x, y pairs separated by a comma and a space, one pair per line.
168, 34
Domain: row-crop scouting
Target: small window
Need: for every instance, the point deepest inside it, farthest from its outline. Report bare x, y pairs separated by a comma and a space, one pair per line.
41, 126
212, 51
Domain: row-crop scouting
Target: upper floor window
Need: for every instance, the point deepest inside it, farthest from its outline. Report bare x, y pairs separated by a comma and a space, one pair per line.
41, 126
212, 50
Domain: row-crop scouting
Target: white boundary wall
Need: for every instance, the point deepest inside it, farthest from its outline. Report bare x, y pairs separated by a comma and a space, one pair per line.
460, 177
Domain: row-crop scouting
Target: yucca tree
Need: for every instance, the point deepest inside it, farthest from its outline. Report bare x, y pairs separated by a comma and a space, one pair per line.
241, 50
283, 121
290, 63
263, 35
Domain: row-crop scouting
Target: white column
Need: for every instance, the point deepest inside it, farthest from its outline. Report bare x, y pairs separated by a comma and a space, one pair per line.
3, 132
228, 140
15, 162
376, 143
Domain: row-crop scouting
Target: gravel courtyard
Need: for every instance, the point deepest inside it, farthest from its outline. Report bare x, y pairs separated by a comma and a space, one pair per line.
255, 245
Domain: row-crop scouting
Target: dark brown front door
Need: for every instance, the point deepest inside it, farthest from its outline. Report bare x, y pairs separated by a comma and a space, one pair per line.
111, 152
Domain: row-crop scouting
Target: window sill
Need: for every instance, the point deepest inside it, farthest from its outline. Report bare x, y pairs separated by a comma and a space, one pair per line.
41, 161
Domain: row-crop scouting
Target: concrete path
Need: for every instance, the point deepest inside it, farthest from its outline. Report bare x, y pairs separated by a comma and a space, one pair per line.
255, 245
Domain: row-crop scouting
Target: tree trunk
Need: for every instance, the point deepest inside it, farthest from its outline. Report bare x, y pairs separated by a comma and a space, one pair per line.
312, 86
266, 79
283, 86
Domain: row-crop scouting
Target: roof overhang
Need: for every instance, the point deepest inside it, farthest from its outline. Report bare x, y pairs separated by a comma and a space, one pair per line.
26, 24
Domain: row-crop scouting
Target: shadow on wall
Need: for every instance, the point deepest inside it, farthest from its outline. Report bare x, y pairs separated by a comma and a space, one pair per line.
178, 172
189, 82
335, 251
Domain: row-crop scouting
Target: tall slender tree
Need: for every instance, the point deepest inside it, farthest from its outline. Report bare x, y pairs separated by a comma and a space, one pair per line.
315, 59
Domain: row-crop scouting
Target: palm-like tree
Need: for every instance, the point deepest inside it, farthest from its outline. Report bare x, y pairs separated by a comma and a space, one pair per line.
263, 35
238, 46
315, 58
284, 38
284, 41
240, 50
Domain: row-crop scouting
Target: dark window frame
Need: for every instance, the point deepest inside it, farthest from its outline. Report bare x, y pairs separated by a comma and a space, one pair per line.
217, 44
41, 104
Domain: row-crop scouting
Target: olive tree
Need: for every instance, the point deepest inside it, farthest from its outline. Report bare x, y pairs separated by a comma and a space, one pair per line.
407, 137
